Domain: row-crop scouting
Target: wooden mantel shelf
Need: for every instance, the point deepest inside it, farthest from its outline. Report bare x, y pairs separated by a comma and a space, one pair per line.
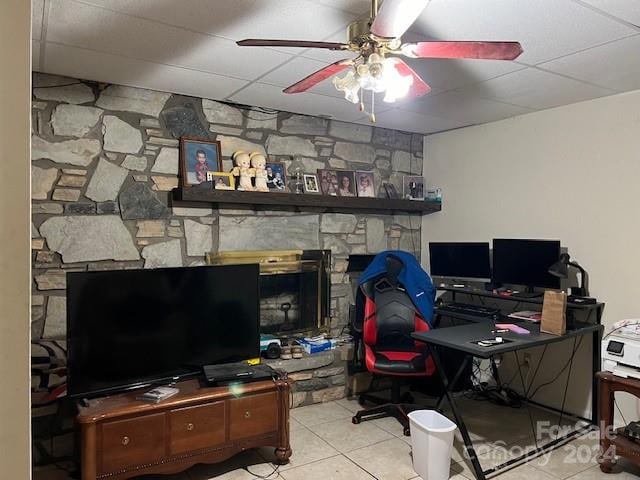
287, 201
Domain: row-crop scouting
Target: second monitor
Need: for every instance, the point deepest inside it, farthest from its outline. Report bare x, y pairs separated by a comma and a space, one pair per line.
460, 260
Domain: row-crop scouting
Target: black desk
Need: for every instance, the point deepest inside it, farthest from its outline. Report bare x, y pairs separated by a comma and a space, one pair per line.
461, 337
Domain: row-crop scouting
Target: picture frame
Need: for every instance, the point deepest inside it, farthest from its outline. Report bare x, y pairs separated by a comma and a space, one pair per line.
222, 180
197, 157
346, 183
365, 184
390, 190
413, 187
276, 176
310, 182
328, 180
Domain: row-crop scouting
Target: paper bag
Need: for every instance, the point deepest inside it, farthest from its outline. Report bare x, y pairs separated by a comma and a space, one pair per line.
554, 309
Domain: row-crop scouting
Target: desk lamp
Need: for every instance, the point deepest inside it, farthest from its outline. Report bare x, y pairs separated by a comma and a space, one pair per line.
561, 269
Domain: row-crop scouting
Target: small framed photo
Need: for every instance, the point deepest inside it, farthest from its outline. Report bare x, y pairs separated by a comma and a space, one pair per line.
328, 182
413, 187
276, 176
346, 183
222, 180
197, 157
390, 190
364, 184
311, 183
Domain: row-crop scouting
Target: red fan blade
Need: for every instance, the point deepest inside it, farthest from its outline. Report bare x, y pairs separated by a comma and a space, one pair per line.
317, 77
419, 87
480, 50
395, 16
251, 42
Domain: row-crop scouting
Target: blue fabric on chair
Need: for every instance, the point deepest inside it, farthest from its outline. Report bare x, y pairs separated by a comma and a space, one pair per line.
413, 278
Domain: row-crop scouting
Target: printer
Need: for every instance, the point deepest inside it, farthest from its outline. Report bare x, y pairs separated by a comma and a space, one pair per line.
621, 349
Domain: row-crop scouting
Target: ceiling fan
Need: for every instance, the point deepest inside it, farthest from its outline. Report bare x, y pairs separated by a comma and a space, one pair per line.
377, 68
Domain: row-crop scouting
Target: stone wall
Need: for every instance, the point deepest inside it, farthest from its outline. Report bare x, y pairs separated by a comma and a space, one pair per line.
105, 158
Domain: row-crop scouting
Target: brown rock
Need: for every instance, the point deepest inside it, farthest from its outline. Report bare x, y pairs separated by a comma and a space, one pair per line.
37, 243
74, 171
150, 228
163, 184
45, 257
175, 232
66, 194
328, 394
71, 181
52, 280
140, 178
167, 142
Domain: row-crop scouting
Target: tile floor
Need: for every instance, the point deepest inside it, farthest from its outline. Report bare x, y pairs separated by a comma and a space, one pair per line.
327, 446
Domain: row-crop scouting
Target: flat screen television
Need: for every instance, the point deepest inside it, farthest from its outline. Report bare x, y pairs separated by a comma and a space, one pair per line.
525, 262
130, 328
460, 260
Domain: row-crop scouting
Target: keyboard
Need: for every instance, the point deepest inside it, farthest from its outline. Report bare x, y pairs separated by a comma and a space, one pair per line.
471, 310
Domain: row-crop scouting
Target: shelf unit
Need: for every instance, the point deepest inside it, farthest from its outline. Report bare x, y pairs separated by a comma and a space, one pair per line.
301, 202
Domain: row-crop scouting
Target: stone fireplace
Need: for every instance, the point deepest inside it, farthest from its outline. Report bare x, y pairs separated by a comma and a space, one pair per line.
294, 288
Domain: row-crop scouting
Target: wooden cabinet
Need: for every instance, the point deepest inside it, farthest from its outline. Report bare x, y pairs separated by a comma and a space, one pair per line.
121, 437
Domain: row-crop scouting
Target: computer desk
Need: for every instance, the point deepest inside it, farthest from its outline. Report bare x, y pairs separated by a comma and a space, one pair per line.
461, 338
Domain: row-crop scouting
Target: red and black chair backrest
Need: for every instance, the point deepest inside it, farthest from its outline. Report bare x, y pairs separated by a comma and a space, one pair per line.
390, 318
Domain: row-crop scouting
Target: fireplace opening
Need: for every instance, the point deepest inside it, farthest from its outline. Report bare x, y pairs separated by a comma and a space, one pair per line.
294, 288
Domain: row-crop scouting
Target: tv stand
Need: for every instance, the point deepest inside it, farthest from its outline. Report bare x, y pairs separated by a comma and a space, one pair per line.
121, 437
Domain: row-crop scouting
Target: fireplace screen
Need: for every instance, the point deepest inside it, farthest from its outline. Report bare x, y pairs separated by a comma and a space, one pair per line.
294, 288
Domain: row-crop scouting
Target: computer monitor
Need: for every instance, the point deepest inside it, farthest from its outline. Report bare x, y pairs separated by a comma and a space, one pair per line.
525, 262
468, 260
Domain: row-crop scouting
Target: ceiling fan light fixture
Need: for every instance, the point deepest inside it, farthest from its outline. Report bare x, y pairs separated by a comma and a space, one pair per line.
349, 85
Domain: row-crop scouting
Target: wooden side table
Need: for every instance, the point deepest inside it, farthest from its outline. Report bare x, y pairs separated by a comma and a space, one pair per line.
612, 442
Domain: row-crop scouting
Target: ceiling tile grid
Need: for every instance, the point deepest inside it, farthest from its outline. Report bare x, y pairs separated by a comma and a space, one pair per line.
574, 50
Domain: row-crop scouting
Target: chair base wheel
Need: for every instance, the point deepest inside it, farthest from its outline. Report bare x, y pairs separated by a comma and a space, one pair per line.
406, 432
355, 420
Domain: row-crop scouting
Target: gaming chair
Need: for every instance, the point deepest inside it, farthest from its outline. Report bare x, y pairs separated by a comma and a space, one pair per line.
389, 318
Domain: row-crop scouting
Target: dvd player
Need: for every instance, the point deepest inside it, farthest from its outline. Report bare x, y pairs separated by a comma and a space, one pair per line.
226, 373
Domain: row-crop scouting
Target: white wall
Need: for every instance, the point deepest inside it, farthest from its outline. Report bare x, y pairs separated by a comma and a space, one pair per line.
570, 173
15, 249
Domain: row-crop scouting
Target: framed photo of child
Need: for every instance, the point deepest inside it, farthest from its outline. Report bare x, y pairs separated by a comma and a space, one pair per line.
328, 182
222, 180
364, 184
276, 176
311, 183
198, 157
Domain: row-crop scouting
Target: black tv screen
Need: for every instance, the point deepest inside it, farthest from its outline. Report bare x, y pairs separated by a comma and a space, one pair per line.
525, 262
460, 260
129, 328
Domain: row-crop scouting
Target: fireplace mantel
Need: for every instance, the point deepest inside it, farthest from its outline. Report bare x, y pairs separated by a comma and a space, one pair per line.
301, 202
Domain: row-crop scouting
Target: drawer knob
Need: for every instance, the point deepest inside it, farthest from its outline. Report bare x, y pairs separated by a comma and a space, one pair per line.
190, 426
125, 441
247, 414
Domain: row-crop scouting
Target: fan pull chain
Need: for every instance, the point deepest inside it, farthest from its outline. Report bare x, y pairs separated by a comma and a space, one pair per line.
372, 116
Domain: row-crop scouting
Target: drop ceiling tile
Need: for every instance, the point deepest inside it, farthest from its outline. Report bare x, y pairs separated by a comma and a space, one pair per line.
414, 122
464, 107
238, 19
627, 10
270, 96
451, 74
357, 7
297, 69
37, 7
86, 26
615, 65
536, 89
104, 67
547, 29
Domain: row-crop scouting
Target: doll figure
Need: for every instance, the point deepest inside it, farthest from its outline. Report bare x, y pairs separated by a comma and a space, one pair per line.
243, 169
258, 163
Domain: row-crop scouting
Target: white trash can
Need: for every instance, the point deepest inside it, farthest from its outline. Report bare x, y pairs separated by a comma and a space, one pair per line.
431, 444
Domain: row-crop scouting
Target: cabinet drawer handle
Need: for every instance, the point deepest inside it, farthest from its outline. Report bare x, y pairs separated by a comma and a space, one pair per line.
190, 426
247, 414
125, 441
